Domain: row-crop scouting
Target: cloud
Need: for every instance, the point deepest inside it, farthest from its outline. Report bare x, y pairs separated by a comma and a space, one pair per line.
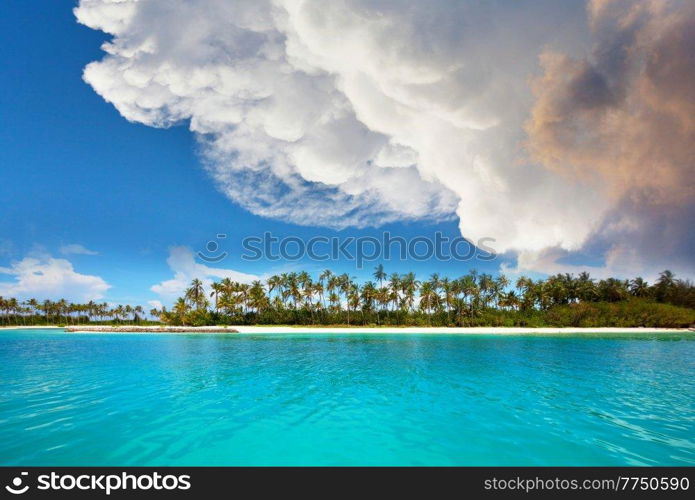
153, 304
76, 249
42, 276
182, 262
354, 113
623, 121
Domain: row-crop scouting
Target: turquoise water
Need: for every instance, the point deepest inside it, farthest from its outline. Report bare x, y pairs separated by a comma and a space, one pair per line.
120, 399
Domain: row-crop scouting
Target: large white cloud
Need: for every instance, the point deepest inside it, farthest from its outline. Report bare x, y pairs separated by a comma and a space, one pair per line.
42, 276
182, 262
359, 112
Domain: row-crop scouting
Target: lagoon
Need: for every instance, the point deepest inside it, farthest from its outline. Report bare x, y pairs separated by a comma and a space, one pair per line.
353, 399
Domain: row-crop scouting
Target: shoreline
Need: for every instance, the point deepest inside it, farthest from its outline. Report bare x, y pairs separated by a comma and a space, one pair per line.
24, 327
260, 330
456, 330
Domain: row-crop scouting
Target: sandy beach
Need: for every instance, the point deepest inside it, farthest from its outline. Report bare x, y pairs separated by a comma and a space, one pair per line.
449, 330
258, 330
50, 327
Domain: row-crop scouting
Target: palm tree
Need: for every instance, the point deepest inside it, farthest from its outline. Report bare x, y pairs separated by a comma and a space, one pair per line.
196, 294
103, 310
469, 289
217, 290
395, 286
229, 303
353, 299
273, 283
119, 312
34, 305
334, 302
181, 309
509, 299
127, 311
586, 288
379, 274
138, 311
486, 287
318, 290
500, 285
242, 290
664, 285
382, 297
48, 309
156, 313
613, 290
449, 289
409, 286
13, 306
324, 279
348, 288
306, 292
293, 289
429, 299
666, 278
258, 300
3, 307
367, 295
639, 287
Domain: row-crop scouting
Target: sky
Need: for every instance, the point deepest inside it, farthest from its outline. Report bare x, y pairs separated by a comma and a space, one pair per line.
135, 132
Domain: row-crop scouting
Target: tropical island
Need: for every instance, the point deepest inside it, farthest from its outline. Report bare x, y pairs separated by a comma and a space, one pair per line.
395, 300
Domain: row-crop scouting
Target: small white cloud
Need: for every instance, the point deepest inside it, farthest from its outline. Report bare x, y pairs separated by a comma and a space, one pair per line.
76, 249
182, 261
155, 304
42, 276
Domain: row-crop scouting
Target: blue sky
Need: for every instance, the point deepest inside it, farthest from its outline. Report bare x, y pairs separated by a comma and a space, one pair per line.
210, 117
75, 172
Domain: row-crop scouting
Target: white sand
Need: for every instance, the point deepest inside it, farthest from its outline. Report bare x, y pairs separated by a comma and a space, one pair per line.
28, 327
456, 330
256, 330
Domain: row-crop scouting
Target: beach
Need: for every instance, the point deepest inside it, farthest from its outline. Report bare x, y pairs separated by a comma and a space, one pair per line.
258, 330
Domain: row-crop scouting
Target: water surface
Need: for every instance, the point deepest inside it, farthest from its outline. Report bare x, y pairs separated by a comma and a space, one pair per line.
322, 399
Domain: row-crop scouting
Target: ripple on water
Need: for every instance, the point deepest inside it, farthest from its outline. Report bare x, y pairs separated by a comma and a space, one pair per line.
420, 400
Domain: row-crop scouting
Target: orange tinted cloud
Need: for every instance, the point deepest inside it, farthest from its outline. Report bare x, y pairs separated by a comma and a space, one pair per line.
623, 118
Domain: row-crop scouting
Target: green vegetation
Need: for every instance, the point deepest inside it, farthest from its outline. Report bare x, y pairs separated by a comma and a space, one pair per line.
62, 313
472, 300
395, 300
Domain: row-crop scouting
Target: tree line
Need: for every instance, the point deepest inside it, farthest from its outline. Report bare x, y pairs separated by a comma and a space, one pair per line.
61, 312
475, 299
